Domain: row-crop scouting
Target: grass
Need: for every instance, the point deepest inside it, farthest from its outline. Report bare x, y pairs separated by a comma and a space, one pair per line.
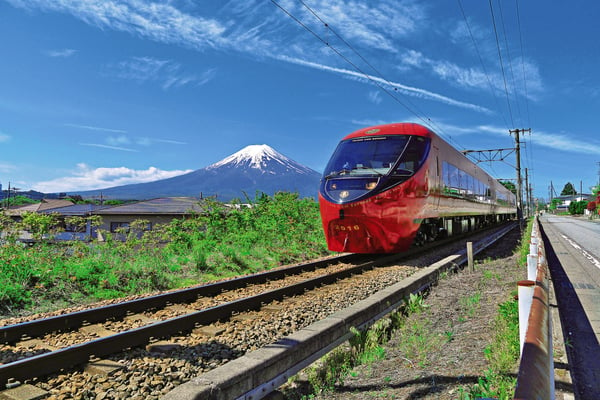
470, 304
220, 242
416, 340
503, 351
366, 347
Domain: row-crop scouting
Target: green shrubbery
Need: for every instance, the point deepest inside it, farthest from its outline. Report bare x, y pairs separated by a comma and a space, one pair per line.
223, 240
577, 207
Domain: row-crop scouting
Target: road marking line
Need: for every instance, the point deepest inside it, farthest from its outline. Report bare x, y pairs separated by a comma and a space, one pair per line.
587, 255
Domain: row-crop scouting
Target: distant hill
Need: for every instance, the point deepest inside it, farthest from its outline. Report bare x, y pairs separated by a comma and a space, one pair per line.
254, 168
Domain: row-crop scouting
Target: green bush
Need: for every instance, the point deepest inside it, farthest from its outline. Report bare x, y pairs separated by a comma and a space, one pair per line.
222, 240
577, 207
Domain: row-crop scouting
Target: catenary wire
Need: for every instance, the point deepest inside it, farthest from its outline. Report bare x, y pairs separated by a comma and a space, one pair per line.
353, 49
510, 64
425, 120
367, 76
487, 75
501, 64
530, 147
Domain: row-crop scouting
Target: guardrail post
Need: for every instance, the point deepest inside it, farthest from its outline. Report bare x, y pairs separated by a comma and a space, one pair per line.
525, 293
532, 263
470, 262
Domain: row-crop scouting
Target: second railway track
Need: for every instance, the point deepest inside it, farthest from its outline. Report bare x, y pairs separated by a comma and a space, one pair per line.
211, 336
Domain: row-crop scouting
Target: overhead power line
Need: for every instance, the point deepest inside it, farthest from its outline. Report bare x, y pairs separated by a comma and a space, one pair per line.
487, 75
501, 64
510, 63
413, 109
523, 63
346, 59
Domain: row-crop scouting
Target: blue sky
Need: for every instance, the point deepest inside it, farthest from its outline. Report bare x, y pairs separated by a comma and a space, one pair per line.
100, 93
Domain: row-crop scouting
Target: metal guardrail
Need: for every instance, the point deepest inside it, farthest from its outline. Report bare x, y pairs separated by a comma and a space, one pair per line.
535, 379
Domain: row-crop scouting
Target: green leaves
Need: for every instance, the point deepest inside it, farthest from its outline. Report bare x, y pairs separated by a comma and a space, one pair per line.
222, 240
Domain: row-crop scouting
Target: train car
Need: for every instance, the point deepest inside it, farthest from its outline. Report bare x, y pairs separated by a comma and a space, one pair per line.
389, 187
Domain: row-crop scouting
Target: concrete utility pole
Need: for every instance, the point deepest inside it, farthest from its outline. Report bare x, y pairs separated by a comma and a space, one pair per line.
527, 208
519, 181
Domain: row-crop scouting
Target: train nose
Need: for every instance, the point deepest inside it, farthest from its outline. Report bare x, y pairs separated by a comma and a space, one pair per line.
353, 235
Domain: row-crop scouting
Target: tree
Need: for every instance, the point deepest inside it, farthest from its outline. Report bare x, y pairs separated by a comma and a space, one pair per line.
38, 224
568, 190
577, 207
591, 207
554, 204
510, 186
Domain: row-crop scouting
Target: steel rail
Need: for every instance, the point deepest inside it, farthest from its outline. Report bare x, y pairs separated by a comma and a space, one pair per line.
256, 374
74, 320
61, 323
54, 361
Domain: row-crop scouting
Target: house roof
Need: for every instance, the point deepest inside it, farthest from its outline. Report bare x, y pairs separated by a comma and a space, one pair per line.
44, 205
163, 205
76, 209
575, 197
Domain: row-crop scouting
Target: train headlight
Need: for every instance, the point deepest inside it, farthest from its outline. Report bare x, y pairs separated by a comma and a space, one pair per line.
344, 194
371, 185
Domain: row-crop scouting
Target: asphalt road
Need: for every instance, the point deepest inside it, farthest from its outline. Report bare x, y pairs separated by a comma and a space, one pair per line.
573, 254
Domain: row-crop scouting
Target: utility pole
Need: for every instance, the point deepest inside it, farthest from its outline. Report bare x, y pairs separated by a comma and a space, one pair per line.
527, 207
519, 181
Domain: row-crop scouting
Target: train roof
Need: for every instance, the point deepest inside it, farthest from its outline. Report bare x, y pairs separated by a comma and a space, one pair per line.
404, 128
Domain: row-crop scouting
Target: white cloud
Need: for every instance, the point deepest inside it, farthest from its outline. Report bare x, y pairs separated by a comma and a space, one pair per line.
95, 128
118, 140
361, 22
369, 122
6, 167
108, 146
4, 137
393, 86
260, 29
64, 53
475, 78
374, 97
562, 142
167, 73
161, 22
85, 177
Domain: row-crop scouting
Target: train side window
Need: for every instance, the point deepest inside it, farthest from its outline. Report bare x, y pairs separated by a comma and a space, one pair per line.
413, 156
451, 177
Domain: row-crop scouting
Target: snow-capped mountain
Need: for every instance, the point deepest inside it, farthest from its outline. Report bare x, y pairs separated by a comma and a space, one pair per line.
255, 168
261, 157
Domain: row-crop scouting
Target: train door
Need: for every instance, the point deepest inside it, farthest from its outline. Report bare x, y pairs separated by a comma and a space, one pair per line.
438, 179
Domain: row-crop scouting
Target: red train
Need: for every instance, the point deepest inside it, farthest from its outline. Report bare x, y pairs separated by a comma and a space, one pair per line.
389, 187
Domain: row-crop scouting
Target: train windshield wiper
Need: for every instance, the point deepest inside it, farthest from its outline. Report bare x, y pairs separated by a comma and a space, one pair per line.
370, 169
356, 171
337, 173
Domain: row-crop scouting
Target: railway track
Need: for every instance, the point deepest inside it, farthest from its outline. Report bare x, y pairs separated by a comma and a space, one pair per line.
128, 332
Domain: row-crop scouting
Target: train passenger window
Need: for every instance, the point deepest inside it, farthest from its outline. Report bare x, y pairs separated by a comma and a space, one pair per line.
459, 183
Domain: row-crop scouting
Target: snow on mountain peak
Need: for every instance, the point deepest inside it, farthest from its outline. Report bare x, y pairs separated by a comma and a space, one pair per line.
260, 157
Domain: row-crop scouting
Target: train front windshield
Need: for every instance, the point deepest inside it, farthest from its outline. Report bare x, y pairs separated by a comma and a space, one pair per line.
360, 166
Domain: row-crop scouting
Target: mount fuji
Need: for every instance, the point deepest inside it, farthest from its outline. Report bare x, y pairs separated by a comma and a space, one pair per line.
255, 168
